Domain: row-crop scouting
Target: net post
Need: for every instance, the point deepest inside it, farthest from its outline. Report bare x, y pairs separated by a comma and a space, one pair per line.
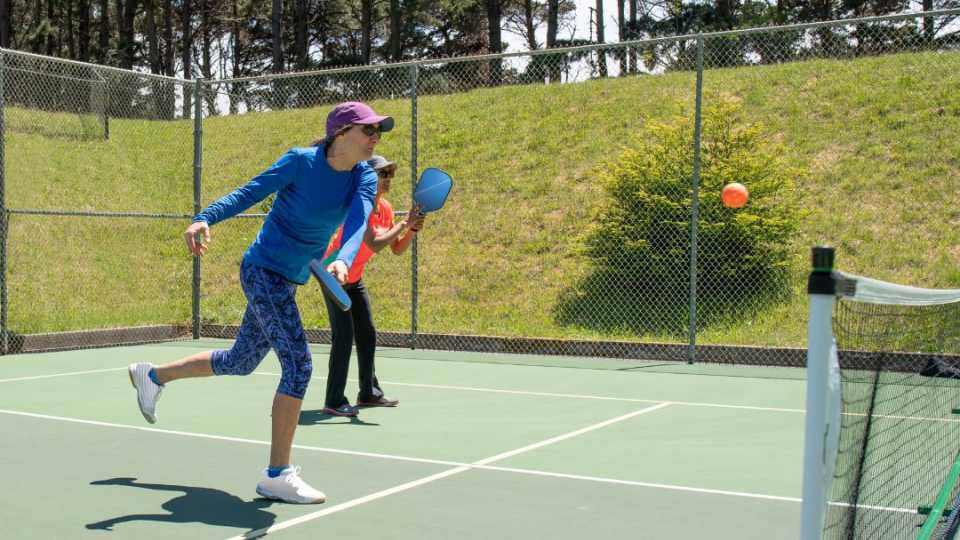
821, 288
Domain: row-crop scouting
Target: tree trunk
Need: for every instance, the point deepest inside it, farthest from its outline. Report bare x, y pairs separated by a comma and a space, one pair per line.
37, 42
300, 34
277, 94
553, 9
168, 96
822, 13
494, 16
724, 15
187, 55
169, 47
276, 26
206, 66
71, 47
601, 53
528, 24
366, 29
104, 42
52, 21
153, 41
633, 26
127, 50
928, 26
621, 36
396, 40
6, 27
83, 32
553, 6
119, 16
235, 88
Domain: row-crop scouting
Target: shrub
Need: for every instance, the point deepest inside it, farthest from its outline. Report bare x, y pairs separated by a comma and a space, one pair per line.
641, 239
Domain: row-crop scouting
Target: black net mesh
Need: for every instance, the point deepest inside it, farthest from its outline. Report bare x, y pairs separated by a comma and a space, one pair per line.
899, 436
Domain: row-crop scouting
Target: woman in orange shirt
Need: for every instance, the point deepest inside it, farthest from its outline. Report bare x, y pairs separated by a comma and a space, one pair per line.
357, 323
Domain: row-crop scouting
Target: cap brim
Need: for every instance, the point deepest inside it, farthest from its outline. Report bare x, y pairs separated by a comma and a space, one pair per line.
386, 122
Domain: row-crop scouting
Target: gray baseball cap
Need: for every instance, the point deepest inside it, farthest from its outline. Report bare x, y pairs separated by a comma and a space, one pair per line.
379, 162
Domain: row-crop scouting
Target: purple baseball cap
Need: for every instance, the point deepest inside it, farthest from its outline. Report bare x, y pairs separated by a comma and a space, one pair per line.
355, 112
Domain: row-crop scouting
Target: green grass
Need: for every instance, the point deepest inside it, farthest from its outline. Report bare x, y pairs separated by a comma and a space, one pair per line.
876, 138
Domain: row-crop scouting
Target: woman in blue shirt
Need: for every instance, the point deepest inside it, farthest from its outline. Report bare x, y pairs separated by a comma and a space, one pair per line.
317, 188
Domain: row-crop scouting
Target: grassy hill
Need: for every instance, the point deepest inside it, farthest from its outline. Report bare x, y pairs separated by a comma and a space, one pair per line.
877, 138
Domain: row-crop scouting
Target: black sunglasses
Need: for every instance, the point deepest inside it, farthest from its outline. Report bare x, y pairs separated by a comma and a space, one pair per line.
386, 173
370, 130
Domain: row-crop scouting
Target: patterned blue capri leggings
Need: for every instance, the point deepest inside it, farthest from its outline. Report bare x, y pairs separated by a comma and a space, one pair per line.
272, 320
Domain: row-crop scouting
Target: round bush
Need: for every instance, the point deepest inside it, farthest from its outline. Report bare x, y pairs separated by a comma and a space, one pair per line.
643, 235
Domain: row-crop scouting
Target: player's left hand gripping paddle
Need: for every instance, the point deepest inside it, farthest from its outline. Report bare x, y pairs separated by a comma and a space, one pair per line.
331, 288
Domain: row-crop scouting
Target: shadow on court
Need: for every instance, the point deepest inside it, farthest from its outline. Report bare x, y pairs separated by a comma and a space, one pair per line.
196, 505
611, 301
316, 417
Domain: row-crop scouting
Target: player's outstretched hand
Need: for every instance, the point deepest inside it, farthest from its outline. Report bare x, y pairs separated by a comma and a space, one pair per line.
197, 237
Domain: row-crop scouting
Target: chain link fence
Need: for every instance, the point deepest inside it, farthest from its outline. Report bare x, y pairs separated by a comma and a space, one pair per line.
585, 217
96, 183
861, 115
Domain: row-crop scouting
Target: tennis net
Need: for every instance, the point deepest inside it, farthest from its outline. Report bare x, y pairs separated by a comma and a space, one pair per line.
883, 408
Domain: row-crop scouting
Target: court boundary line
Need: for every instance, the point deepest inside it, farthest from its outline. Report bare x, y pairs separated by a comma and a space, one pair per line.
443, 474
67, 374
468, 389
429, 461
410, 459
537, 394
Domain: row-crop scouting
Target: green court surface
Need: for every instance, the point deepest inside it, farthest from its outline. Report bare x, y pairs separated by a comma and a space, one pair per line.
481, 447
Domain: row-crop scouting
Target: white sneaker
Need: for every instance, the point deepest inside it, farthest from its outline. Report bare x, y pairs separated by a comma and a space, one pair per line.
289, 487
148, 392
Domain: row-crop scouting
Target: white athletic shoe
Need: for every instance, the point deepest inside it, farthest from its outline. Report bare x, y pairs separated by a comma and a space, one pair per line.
148, 392
289, 487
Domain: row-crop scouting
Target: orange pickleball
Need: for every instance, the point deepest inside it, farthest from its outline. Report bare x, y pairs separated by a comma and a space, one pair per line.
734, 195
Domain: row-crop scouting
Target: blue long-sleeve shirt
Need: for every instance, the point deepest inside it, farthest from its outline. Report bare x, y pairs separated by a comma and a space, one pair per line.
312, 201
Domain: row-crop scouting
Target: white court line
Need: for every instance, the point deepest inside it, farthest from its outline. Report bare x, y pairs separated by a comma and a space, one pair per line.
475, 389
560, 395
403, 458
668, 487
532, 472
541, 394
432, 478
226, 438
35, 377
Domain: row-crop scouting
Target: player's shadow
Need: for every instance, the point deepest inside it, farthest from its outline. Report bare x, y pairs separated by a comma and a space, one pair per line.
196, 505
316, 417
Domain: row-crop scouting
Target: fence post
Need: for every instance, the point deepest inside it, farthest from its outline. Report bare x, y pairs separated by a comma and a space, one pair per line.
414, 74
695, 206
197, 168
4, 216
